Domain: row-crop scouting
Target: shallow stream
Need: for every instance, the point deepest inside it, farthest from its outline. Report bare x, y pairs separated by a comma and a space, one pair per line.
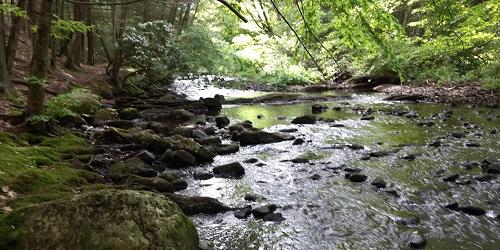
324, 210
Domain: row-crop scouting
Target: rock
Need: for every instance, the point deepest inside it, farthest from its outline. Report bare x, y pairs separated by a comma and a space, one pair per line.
275, 217
260, 116
261, 137
306, 119
355, 146
337, 125
204, 245
129, 114
379, 153
368, 118
281, 117
458, 135
491, 166
484, 178
315, 177
132, 166
222, 121
379, 183
337, 108
227, 149
211, 140
435, 144
300, 160
356, 177
104, 116
426, 124
146, 156
317, 108
243, 213
416, 241
471, 144
477, 211
409, 157
106, 219
198, 204
231, 170
452, 206
463, 181
180, 159
260, 212
219, 97
250, 197
409, 221
451, 178
180, 184
155, 183
200, 134
181, 115
209, 130
289, 130
202, 175
186, 131
353, 170
251, 160
298, 141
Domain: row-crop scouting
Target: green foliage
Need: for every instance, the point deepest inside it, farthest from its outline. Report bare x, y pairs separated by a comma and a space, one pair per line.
62, 29
78, 101
13, 10
33, 80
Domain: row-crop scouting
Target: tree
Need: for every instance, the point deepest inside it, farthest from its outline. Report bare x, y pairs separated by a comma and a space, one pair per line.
36, 93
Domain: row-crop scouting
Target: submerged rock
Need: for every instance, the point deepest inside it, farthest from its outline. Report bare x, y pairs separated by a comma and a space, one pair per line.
379, 183
261, 137
298, 141
276, 217
202, 176
306, 119
106, 219
231, 170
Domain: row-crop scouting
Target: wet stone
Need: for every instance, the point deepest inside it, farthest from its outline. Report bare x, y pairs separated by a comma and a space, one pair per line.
146, 156
298, 141
451, 178
251, 160
288, 130
472, 144
306, 119
485, 178
250, 197
353, 170
416, 240
379, 183
435, 144
337, 125
202, 175
471, 210
409, 157
300, 160
275, 217
260, 212
458, 135
367, 118
222, 121
231, 170
243, 213
315, 177
409, 221
356, 177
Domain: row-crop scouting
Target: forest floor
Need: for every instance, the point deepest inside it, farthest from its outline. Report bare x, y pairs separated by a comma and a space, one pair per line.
60, 79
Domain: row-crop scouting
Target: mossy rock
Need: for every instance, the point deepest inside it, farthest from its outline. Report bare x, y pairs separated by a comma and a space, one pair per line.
104, 116
105, 219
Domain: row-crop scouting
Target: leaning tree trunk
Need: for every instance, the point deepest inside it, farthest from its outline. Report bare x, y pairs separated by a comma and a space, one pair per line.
36, 94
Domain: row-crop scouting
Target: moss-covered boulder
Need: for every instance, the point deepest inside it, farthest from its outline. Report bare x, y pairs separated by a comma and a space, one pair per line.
106, 219
104, 116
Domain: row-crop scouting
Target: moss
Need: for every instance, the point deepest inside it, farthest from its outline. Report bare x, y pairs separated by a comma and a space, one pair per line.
37, 172
313, 155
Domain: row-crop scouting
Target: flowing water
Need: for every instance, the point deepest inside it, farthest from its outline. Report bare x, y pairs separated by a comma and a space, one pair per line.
330, 212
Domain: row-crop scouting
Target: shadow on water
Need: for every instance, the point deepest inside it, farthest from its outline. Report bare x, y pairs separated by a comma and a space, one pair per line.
330, 212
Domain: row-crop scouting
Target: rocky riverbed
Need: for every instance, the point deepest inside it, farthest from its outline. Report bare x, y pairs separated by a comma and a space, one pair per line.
329, 170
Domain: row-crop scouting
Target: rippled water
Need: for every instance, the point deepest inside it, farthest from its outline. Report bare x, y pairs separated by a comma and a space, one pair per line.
334, 213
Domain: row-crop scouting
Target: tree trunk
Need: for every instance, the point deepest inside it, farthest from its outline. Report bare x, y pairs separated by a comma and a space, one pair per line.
36, 94
90, 39
15, 29
6, 87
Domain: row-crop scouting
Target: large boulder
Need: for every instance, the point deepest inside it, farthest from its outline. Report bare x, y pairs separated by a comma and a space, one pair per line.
106, 219
250, 137
231, 170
